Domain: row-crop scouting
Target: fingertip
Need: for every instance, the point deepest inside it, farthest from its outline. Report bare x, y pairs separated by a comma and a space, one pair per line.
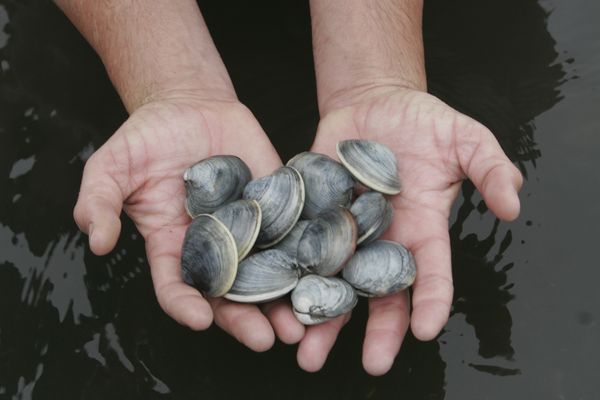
377, 360
258, 339
199, 316
309, 362
423, 332
500, 191
513, 208
287, 328
504, 202
318, 342
294, 334
103, 235
427, 324
245, 322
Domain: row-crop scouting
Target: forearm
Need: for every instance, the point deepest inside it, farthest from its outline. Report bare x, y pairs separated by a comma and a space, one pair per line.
151, 48
364, 43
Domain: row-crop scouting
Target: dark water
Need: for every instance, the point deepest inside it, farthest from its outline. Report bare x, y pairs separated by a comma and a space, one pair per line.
526, 315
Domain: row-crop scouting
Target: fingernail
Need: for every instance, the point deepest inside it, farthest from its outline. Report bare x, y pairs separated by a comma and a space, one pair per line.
90, 231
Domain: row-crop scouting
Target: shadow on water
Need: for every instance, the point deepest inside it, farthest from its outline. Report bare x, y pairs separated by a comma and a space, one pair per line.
77, 326
503, 74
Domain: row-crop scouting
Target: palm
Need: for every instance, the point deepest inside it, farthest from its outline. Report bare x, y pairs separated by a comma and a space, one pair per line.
141, 167
420, 130
436, 148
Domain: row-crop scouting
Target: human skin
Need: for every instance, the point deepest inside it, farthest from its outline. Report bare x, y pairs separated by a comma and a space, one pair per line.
371, 85
183, 108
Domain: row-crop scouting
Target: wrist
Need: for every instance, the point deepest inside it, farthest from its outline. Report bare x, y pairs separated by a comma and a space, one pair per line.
152, 49
192, 88
363, 44
365, 90
142, 76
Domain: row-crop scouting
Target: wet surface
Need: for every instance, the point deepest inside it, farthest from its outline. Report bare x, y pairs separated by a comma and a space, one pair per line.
525, 321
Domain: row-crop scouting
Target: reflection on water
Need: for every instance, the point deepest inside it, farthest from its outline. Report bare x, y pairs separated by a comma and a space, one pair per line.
77, 326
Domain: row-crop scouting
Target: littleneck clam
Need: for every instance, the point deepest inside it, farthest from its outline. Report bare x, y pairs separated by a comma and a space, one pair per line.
327, 242
281, 198
242, 218
209, 257
373, 214
380, 268
317, 299
328, 184
372, 163
289, 244
264, 276
321, 189
213, 182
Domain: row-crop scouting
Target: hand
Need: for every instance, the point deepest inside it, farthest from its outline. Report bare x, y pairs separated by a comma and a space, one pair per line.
436, 147
140, 169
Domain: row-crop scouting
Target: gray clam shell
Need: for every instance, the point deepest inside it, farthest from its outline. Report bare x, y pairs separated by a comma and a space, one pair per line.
242, 218
209, 257
289, 244
281, 198
327, 242
264, 276
373, 214
372, 163
328, 184
317, 299
380, 268
214, 182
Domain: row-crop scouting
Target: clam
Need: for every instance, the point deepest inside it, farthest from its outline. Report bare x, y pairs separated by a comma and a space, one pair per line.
281, 198
264, 276
327, 242
328, 184
289, 243
317, 299
373, 214
242, 218
209, 257
371, 163
380, 268
213, 182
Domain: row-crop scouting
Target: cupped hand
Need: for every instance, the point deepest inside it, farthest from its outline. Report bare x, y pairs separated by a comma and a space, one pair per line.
139, 169
436, 147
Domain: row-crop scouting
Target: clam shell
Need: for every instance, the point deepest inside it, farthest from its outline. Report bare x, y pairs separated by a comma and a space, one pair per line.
327, 242
264, 276
380, 268
214, 182
373, 214
209, 257
328, 184
242, 218
372, 163
281, 198
317, 299
289, 244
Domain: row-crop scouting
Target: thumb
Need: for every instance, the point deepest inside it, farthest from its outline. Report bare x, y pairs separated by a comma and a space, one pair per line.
494, 175
99, 204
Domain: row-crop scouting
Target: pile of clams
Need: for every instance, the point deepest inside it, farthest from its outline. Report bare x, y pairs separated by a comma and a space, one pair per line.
301, 229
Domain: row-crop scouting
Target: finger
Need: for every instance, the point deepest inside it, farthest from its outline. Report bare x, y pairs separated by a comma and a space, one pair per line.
317, 343
99, 206
244, 322
386, 327
180, 301
425, 233
287, 328
484, 162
